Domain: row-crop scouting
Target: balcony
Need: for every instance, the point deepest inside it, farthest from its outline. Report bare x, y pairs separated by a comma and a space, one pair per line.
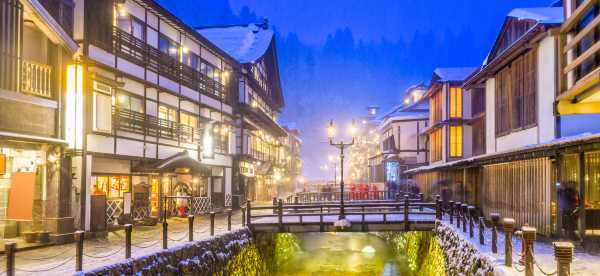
139, 52
579, 66
136, 122
34, 79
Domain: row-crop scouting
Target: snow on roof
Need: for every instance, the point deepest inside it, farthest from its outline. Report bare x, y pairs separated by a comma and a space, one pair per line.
246, 43
453, 74
550, 15
563, 141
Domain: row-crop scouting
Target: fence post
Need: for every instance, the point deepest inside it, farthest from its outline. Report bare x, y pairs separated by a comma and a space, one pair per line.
458, 213
190, 227
212, 223
10, 249
481, 230
528, 239
563, 253
79, 250
422, 200
438, 208
406, 222
280, 214
495, 219
397, 201
229, 219
128, 229
248, 213
243, 216
451, 211
471, 215
165, 232
274, 205
509, 226
465, 211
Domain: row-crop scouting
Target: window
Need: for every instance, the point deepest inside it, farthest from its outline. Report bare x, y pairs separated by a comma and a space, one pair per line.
129, 102
436, 145
455, 102
102, 107
167, 113
191, 60
168, 47
436, 107
456, 134
221, 139
132, 25
516, 95
111, 186
189, 127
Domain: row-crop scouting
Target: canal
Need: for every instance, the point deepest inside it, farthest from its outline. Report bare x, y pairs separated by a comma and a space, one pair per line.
413, 253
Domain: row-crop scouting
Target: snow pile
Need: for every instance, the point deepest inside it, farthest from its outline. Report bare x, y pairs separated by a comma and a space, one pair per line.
206, 257
461, 257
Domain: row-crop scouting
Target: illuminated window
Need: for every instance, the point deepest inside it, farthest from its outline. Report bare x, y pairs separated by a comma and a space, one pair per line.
166, 113
128, 102
455, 102
436, 145
111, 186
102, 107
436, 107
456, 133
189, 125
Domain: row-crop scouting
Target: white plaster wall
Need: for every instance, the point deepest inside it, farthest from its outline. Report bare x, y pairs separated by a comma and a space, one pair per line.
130, 68
151, 108
151, 36
189, 93
151, 76
100, 143
134, 87
211, 58
168, 84
546, 88
190, 107
169, 31
109, 165
151, 93
228, 179
150, 150
166, 151
130, 147
517, 139
210, 102
101, 56
169, 99
152, 20
135, 9
490, 117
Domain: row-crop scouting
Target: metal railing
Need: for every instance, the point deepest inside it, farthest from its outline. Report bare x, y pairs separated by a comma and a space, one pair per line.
137, 122
309, 197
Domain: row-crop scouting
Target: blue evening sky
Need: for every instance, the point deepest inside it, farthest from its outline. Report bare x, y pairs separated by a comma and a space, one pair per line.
338, 56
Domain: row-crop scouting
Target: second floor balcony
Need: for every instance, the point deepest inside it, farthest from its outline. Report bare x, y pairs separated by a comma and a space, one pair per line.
139, 52
25, 76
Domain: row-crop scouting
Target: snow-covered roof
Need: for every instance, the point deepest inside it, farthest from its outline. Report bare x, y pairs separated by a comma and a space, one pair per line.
246, 43
558, 142
454, 73
546, 15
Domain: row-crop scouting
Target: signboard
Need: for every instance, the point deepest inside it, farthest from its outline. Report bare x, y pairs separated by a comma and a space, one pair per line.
20, 196
2, 164
127, 203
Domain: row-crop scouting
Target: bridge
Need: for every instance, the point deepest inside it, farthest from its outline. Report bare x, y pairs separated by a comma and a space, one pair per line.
362, 215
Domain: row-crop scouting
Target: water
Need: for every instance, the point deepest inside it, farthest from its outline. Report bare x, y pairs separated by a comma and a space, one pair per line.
344, 254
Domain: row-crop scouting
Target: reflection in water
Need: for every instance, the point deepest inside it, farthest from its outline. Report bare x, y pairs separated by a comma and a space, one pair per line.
344, 254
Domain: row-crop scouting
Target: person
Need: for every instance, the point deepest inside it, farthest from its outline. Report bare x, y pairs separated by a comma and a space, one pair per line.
568, 204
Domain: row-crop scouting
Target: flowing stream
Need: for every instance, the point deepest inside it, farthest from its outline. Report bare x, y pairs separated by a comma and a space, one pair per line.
343, 254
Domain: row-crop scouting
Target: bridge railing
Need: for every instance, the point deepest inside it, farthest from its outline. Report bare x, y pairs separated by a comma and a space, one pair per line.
322, 197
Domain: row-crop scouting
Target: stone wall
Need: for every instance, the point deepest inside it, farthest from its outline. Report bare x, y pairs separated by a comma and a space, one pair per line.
228, 254
460, 256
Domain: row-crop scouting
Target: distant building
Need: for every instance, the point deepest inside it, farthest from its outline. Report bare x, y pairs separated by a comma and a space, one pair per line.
400, 143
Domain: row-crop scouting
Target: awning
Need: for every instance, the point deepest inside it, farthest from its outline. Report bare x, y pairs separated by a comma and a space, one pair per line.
178, 163
262, 120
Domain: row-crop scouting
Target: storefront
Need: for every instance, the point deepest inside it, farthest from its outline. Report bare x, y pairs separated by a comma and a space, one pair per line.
30, 196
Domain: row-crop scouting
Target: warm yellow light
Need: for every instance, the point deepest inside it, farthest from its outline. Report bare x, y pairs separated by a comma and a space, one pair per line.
353, 129
74, 106
122, 11
331, 130
195, 180
185, 50
173, 50
254, 104
301, 179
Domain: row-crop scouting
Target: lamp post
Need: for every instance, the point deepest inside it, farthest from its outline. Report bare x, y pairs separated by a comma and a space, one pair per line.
341, 146
333, 161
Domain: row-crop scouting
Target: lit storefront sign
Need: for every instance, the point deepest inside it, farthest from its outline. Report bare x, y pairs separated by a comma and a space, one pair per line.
74, 107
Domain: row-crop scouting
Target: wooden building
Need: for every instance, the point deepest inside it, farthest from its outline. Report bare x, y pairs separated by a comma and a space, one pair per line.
36, 54
258, 101
151, 120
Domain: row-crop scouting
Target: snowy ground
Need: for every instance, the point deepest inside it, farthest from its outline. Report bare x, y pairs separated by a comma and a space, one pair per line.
583, 263
60, 259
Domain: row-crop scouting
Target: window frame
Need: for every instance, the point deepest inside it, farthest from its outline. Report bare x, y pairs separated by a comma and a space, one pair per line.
455, 143
99, 92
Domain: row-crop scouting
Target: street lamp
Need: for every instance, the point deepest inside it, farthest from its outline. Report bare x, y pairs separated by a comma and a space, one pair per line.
341, 145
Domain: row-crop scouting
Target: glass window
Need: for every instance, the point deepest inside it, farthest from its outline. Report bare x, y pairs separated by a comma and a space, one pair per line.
592, 180
167, 113
455, 102
111, 186
102, 107
138, 29
128, 102
168, 47
436, 145
456, 141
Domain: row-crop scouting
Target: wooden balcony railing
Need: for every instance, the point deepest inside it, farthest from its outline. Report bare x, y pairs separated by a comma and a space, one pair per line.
36, 79
139, 52
132, 121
